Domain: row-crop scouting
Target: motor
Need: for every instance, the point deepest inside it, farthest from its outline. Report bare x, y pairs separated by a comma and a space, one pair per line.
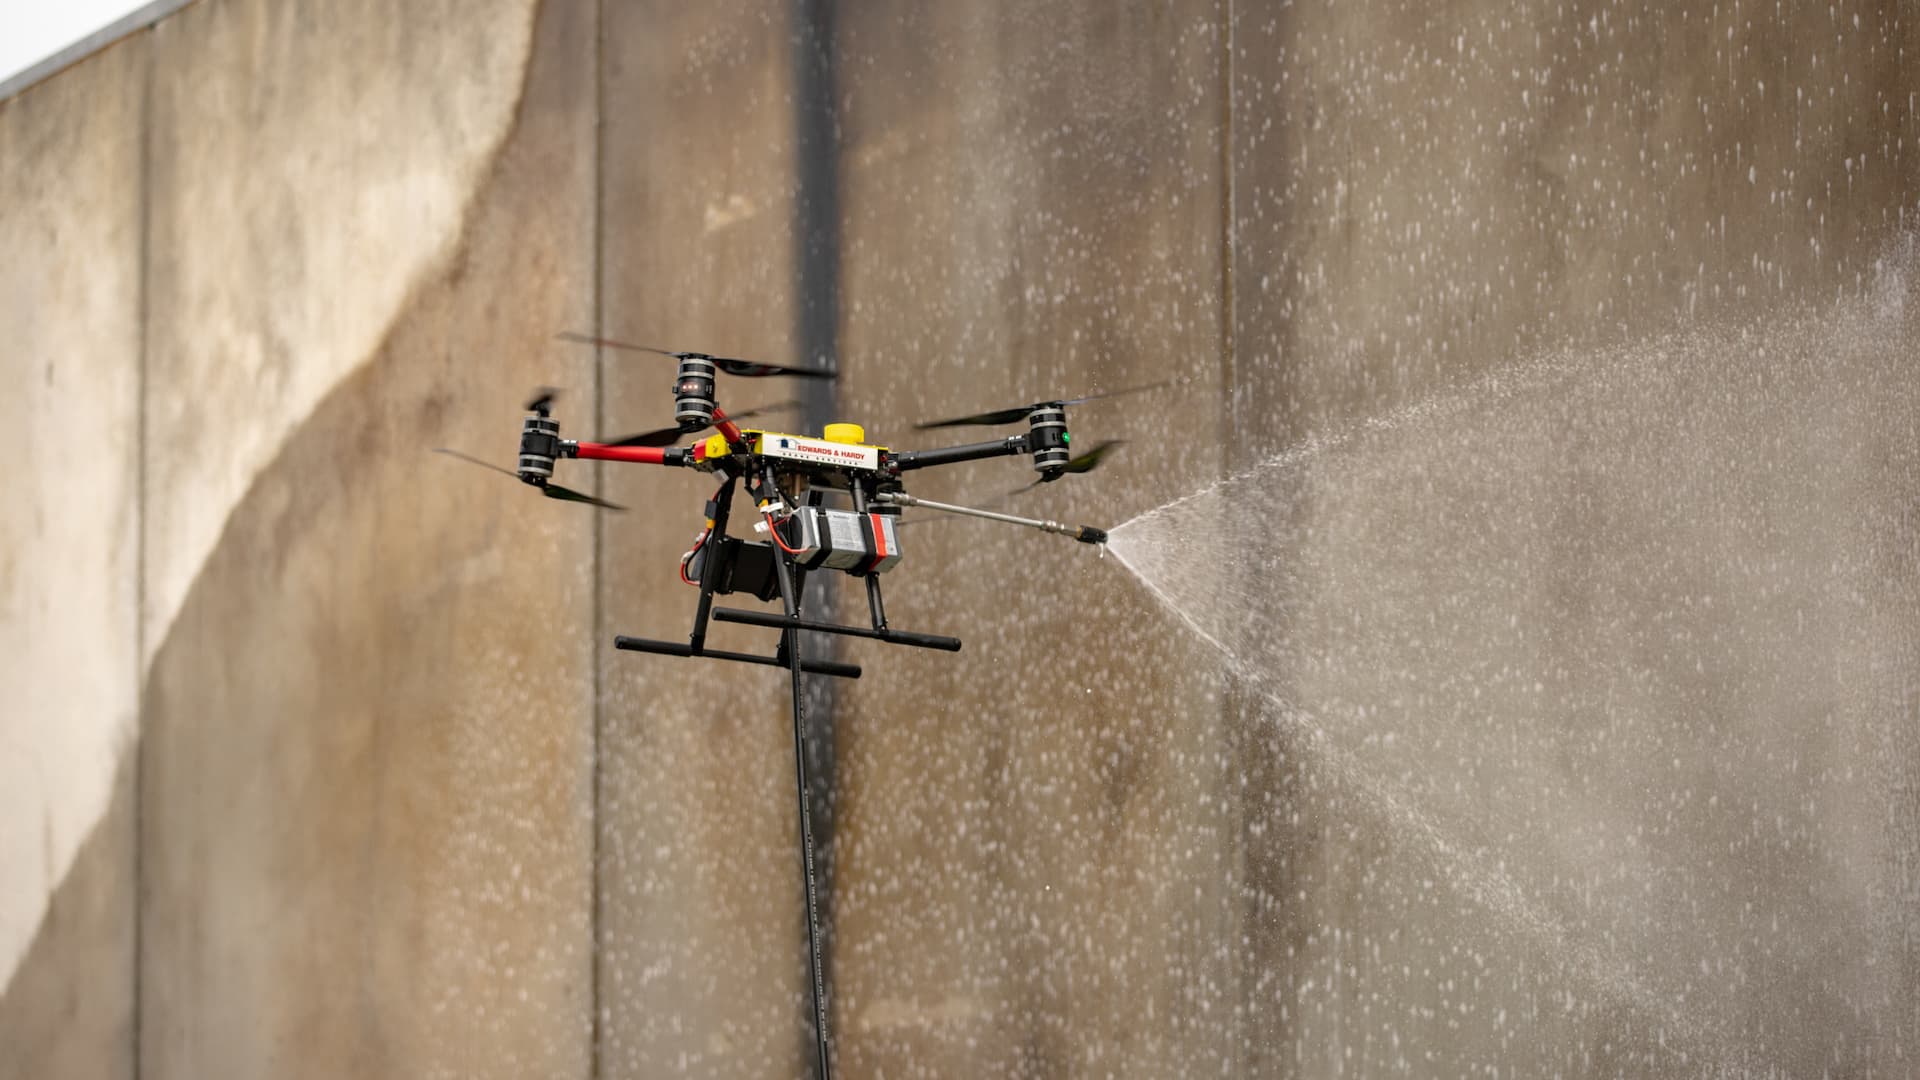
693, 392
539, 445
1047, 439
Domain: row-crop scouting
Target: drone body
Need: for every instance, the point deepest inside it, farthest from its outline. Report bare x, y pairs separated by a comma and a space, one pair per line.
789, 474
789, 477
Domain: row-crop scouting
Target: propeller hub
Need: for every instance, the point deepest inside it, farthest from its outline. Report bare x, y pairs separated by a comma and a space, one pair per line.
1047, 440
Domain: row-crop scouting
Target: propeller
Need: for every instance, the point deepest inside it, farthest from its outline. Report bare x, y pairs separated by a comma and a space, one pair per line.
542, 400
551, 491
1085, 463
1019, 412
667, 436
1089, 461
745, 368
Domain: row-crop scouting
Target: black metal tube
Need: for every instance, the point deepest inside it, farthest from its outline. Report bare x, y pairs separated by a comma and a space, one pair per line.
950, 455
1086, 534
898, 637
710, 570
876, 607
680, 648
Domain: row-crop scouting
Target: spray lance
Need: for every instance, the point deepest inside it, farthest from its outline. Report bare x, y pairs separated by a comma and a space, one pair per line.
1086, 534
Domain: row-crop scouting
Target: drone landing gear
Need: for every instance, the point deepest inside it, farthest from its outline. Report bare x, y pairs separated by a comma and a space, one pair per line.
764, 570
879, 633
728, 565
877, 609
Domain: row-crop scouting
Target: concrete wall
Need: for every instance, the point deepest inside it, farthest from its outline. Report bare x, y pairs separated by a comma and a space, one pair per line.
69, 575
392, 804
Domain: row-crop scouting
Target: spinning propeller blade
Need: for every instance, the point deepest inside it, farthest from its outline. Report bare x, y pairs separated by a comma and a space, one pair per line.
985, 419
555, 491
551, 491
476, 461
744, 368
542, 399
667, 436
1019, 412
1085, 463
1091, 460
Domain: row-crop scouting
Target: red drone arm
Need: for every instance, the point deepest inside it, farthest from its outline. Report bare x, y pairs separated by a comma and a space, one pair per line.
727, 427
660, 455
645, 455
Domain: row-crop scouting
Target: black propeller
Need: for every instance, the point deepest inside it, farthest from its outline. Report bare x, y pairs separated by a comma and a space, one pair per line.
542, 401
551, 491
1019, 412
745, 368
667, 436
1085, 463
1089, 461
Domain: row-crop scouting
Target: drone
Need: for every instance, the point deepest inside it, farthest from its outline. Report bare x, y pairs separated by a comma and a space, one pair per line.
789, 479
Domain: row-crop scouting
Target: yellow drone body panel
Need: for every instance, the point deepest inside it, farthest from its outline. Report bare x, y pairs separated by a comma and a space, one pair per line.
816, 450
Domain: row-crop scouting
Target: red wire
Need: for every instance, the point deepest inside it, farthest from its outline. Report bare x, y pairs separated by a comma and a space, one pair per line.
698, 543
775, 530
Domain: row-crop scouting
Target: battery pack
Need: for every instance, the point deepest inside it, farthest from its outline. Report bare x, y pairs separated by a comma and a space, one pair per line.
842, 540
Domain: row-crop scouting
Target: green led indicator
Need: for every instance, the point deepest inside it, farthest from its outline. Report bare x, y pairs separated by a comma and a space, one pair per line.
1066, 437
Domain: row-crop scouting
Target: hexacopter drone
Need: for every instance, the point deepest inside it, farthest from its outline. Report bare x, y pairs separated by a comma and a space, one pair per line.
788, 477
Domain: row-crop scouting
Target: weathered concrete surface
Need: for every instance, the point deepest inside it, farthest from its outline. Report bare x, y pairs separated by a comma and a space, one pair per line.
1033, 208
1604, 670
367, 791
1084, 844
703, 968
312, 164
1427, 193
69, 554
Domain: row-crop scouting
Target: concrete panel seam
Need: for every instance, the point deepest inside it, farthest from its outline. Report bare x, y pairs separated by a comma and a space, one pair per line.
143, 292
596, 1036
1228, 248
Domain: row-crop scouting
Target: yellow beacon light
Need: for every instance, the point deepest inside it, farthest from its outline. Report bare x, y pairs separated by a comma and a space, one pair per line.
844, 433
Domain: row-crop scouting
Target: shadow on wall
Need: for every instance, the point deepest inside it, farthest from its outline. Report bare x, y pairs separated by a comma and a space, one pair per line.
68, 1009
364, 840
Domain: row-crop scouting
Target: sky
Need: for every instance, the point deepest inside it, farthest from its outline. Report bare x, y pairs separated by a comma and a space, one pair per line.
32, 30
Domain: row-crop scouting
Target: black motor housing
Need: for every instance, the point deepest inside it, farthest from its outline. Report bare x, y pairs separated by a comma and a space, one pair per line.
693, 393
539, 445
1047, 440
